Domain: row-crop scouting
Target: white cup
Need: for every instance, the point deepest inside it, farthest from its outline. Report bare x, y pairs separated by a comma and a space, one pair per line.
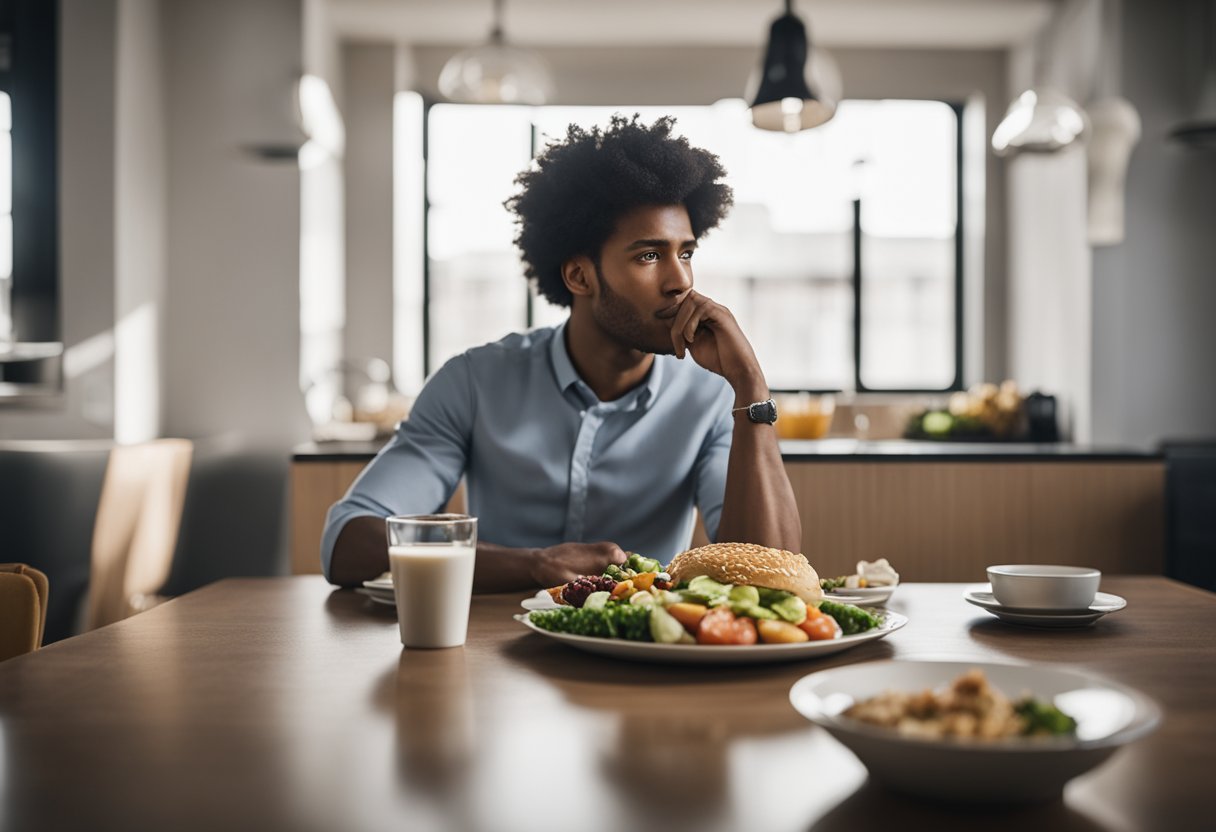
431, 557
1044, 587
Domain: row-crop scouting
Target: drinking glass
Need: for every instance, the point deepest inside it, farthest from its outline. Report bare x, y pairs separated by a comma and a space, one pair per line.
431, 558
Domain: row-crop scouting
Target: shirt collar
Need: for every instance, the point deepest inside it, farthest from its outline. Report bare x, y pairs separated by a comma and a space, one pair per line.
563, 370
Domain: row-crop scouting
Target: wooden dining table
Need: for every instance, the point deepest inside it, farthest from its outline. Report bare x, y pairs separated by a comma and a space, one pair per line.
285, 703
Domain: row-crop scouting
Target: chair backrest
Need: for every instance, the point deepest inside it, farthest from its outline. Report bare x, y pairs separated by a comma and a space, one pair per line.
135, 533
23, 597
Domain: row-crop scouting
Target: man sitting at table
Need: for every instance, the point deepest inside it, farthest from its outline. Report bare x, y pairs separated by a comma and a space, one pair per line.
586, 440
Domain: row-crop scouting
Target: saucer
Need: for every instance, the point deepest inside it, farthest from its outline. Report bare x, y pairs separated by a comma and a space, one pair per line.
387, 599
1104, 604
382, 583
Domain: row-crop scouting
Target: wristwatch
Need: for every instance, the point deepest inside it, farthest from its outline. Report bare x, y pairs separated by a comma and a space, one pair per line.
763, 413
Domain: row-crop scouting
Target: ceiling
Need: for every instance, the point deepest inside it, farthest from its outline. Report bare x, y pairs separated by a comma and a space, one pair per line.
941, 24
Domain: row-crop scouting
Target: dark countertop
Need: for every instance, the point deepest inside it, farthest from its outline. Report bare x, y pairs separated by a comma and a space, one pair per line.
836, 450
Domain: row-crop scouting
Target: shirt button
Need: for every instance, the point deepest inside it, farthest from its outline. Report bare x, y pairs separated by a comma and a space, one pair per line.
582, 414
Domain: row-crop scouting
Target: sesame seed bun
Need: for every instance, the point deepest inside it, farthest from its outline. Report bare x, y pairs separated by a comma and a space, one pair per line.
748, 563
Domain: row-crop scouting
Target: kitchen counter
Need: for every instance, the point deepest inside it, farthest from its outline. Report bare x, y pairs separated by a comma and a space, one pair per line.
842, 449
939, 511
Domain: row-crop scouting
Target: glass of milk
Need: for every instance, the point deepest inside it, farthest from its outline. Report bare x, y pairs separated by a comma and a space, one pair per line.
431, 558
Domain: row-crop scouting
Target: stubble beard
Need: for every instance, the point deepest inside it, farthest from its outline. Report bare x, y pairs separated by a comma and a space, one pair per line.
624, 324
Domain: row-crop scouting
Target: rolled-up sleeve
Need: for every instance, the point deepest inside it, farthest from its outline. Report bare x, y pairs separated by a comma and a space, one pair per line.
712, 461
420, 467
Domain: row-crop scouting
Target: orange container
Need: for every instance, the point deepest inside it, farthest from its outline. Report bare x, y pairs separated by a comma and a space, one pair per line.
803, 416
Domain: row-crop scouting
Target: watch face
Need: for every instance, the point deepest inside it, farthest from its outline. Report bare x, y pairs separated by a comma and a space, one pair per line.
765, 412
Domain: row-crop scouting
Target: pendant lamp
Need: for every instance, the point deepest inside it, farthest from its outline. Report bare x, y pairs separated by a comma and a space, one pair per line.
496, 72
787, 100
1042, 119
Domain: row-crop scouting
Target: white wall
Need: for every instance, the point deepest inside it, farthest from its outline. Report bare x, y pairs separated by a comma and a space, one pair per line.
141, 224
1124, 331
1049, 270
1050, 295
368, 76
1154, 339
86, 227
232, 303
322, 234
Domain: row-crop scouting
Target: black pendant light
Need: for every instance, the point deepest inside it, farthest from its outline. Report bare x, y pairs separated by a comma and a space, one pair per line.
785, 100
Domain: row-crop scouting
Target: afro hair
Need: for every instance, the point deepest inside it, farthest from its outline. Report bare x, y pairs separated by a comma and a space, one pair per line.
570, 200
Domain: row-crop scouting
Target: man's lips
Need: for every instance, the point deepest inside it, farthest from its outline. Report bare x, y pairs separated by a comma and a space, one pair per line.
669, 312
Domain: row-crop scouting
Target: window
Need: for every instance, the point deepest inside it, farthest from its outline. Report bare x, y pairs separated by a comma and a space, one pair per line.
29, 236
841, 257
6, 218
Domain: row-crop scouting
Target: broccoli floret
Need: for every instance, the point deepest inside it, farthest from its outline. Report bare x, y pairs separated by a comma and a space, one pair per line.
852, 620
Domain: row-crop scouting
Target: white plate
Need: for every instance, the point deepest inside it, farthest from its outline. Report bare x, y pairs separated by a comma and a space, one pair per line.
542, 600
646, 651
385, 581
1104, 604
1108, 716
871, 595
389, 600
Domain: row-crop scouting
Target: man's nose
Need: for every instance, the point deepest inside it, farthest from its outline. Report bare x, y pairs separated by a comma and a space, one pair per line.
677, 278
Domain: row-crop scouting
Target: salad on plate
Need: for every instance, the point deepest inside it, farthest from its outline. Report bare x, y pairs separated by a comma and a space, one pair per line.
720, 595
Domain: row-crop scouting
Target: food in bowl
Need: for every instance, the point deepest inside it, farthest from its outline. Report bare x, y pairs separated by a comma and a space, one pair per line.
721, 594
970, 708
1015, 769
1044, 586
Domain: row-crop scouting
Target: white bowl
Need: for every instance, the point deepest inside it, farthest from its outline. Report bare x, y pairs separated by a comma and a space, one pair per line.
1044, 587
1014, 770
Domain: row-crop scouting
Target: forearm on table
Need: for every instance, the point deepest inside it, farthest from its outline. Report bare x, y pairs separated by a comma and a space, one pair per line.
361, 553
759, 505
504, 569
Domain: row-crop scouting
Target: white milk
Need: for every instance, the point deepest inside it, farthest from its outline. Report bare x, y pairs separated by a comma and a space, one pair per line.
433, 585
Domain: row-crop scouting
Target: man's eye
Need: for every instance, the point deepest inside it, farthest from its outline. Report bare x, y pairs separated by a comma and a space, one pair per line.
649, 256
686, 255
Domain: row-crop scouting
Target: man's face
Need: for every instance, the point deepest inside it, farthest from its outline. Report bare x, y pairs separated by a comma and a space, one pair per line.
645, 272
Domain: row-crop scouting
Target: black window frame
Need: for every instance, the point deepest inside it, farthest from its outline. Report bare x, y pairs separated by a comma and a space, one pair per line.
858, 277
29, 73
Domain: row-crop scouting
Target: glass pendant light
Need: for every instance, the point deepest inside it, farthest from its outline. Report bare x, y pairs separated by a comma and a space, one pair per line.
788, 99
496, 73
1040, 120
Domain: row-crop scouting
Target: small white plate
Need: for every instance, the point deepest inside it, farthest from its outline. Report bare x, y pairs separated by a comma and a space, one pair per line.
647, 651
873, 596
1016, 769
385, 581
1104, 604
389, 600
542, 600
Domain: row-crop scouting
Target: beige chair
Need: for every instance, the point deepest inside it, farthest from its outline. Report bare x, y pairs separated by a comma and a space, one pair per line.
23, 596
135, 533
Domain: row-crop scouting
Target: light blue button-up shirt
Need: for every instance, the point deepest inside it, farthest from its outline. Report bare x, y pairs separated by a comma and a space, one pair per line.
546, 462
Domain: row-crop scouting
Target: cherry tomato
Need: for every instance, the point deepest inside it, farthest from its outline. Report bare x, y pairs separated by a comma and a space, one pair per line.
717, 627
819, 627
720, 626
745, 631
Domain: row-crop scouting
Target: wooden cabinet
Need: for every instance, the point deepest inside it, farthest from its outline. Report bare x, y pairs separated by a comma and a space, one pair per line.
935, 521
947, 521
